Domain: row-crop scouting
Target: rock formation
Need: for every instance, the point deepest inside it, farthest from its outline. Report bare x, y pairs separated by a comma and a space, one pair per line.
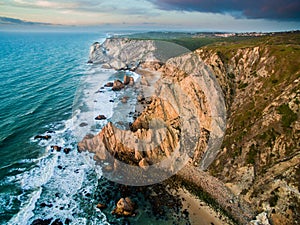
124, 207
258, 164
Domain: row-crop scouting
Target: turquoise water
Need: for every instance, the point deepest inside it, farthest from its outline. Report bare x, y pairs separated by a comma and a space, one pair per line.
39, 78
47, 88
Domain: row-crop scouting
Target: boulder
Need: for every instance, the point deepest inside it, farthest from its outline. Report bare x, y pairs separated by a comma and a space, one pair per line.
56, 148
124, 99
41, 222
101, 206
109, 84
126, 80
100, 117
118, 85
43, 137
67, 150
125, 207
131, 81
57, 222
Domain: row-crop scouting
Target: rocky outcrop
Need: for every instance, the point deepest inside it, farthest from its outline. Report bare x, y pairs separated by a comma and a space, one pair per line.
124, 207
118, 53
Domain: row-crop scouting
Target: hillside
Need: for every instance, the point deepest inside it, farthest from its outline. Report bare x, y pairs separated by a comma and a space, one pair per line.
254, 170
260, 155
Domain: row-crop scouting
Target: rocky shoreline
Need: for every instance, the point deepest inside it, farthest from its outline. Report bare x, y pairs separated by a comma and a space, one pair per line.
161, 97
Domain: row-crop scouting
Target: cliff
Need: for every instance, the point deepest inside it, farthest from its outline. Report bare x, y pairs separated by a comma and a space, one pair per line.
185, 117
260, 154
254, 85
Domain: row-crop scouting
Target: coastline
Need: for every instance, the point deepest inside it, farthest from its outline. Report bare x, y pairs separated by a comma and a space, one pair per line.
148, 87
199, 211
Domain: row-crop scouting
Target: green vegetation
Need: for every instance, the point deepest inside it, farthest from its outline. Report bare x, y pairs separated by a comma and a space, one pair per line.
191, 41
251, 154
273, 199
288, 116
242, 85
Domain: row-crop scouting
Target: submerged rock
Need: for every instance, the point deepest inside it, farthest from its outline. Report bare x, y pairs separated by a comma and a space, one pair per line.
124, 99
43, 137
101, 206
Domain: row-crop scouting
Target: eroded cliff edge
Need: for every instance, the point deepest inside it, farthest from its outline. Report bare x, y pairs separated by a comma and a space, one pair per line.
260, 154
242, 74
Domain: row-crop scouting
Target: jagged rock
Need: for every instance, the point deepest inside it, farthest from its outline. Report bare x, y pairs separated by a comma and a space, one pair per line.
261, 219
144, 164
125, 207
43, 137
118, 85
100, 117
56, 148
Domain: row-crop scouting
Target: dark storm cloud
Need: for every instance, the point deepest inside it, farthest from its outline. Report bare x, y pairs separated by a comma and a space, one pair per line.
252, 9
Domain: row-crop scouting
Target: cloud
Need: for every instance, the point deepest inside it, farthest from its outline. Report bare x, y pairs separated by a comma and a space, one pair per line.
124, 7
13, 21
262, 9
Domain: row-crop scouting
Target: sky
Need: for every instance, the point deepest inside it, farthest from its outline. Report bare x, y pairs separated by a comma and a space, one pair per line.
201, 15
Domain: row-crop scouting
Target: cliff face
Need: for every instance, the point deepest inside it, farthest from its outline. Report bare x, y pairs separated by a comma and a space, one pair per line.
185, 116
260, 154
259, 158
118, 53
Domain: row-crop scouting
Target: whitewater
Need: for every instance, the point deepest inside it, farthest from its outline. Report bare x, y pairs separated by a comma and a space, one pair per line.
48, 89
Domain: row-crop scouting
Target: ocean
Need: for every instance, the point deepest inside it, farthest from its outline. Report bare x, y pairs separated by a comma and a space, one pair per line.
48, 88
43, 79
